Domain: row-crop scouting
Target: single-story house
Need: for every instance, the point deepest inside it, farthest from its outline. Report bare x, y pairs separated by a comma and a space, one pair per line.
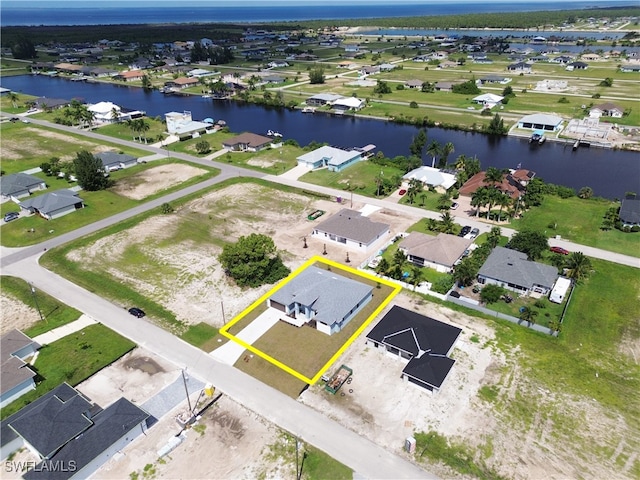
630, 68
444, 86
18, 185
541, 121
440, 252
495, 79
593, 57
115, 161
348, 103
522, 67
183, 125
577, 66
369, 70
65, 67
201, 73
512, 270
413, 83
17, 377
182, 82
54, 204
386, 67
607, 109
65, 430
101, 72
630, 211
423, 342
432, 177
277, 64
564, 59
351, 229
513, 183
130, 75
50, 103
247, 142
488, 100
322, 298
335, 159
322, 99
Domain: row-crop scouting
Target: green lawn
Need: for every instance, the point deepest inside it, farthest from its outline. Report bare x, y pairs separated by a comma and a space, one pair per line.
54, 312
27, 146
579, 221
157, 131
72, 359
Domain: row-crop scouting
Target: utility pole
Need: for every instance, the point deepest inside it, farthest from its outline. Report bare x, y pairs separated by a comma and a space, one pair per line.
224, 321
186, 391
35, 299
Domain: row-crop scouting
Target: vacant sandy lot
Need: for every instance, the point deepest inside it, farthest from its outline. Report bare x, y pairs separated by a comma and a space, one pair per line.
155, 179
15, 314
182, 273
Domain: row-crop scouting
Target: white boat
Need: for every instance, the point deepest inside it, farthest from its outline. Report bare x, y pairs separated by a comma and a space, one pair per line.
308, 110
271, 133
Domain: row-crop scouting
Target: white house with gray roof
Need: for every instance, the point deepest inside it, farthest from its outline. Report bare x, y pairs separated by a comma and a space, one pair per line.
18, 185
53, 205
322, 298
541, 121
353, 230
115, 161
335, 159
512, 270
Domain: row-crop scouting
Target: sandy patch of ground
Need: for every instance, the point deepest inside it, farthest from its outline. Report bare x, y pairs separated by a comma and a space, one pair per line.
35, 141
15, 314
155, 179
256, 162
186, 277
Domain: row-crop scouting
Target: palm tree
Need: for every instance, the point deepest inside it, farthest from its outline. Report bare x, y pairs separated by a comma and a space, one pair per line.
479, 198
447, 225
493, 237
579, 266
503, 200
416, 276
423, 199
13, 98
493, 176
144, 128
133, 126
528, 315
383, 266
434, 150
447, 150
115, 115
415, 187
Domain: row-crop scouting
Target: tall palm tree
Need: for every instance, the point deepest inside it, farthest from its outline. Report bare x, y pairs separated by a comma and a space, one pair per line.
144, 128
115, 115
503, 200
416, 276
13, 98
479, 199
434, 150
579, 266
493, 176
415, 187
493, 238
447, 150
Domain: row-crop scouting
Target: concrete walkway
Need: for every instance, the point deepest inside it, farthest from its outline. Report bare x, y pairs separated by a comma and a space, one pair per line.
296, 172
231, 351
57, 333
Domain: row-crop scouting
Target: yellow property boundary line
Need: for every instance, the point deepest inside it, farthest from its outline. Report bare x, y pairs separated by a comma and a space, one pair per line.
316, 259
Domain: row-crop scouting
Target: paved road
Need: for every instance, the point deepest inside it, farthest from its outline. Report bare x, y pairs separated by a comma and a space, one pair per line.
359, 453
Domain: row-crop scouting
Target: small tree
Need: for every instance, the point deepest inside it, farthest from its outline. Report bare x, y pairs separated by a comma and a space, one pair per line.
203, 147
530, 242
316, 75
585, 193
528, 315
166, 208
491, 293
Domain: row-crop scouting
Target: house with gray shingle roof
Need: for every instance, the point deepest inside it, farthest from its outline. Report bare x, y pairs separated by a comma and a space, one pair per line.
247, 142
512, 270
439, 252
630, 211
65, 430
115, 161
53, 205
422, 341
322, 298
18, 185
16, 378
351, 229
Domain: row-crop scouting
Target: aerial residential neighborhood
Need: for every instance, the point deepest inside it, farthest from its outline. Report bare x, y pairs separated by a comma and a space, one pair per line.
320, 251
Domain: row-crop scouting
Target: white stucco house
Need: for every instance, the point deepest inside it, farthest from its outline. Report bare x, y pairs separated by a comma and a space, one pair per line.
351, 229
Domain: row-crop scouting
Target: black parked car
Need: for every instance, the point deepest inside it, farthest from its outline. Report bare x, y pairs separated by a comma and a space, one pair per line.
466, 229
137, 312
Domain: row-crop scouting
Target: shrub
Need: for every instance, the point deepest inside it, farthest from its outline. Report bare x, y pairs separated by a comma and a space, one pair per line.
491, 293
413, 104
563, 100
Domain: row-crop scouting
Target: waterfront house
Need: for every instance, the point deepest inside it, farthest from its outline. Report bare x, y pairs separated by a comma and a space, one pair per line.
424, 343
247, 142
512, 270
130, 76
335, 159
321, 99
630, 211
541, 121
431, 177
348, 103
351, 229
182, 82
324, 299
183, 126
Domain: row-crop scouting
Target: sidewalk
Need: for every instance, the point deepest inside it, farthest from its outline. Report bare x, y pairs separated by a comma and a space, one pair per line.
57, 333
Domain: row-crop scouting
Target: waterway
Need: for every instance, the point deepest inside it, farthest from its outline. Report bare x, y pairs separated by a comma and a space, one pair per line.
610, 173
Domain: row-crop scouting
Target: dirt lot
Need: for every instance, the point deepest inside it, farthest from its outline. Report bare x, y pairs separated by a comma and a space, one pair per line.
15, 314
155, 179
180, 270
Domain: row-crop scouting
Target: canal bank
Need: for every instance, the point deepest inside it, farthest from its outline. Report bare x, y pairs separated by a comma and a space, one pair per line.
610, 173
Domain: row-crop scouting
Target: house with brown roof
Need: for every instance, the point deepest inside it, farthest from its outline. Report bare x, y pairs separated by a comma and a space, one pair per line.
607, 109
130, 75
440, 252
247, 142
513, 183
182, 82
16, 377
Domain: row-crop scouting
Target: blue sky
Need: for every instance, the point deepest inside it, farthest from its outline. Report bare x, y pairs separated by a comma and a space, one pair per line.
210, 3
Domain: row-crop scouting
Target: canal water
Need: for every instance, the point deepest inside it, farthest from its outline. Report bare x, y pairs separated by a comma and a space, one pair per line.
610, 173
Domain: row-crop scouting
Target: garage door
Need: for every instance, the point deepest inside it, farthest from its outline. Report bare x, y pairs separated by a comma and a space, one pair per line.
278, 306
